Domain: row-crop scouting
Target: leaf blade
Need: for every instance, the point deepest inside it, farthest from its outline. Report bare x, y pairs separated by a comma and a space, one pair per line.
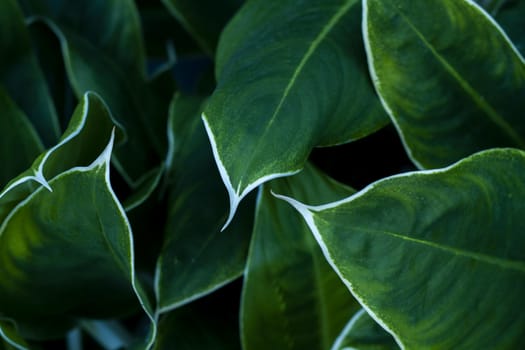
453, 105
289, 289
460, 284
196, 258
263, 123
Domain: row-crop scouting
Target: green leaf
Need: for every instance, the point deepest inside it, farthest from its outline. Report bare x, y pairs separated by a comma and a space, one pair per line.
196, 258
203, 19
50, 237
84, 139
363, 333
425, 60
292, 299
290, 77
20, 73
436, 257
19, 144
109, 58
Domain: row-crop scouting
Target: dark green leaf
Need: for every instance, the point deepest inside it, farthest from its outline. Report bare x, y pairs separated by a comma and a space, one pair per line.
20, 73
203, 19
445, 71
491, 6
290, 77
511, 20
83, 140
71, 257
19, 143
109, 58
436, 257
363, 333
196, 257
292, 299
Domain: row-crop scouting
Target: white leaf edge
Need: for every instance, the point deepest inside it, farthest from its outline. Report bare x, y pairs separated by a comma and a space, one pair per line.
236, 195
306, 212
38, 175
376, 80
103, 161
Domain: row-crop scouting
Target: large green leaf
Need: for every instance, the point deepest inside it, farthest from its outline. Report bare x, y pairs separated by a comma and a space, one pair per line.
445, 71
21, 75
108, 58
436, 257
72, 245
292, 299
203, 19
19, 143
290, 77
85, 137
363, 333
197, 258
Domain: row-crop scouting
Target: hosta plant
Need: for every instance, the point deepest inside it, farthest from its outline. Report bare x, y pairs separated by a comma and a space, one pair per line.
294, 174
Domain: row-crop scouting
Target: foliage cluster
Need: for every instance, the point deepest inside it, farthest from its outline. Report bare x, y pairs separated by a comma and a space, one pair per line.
288, 174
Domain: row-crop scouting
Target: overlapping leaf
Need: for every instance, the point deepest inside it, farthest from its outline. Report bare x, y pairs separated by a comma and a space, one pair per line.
363, 333
290, 77
68, 239
19, 143
44, 245
292, 299
109, 58
445, 72
197, 258
203, 19
20, 73
83, 140
437, 257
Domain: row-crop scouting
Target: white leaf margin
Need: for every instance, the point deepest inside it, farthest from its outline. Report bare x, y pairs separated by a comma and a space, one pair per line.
307, 211
377, 83
102, 162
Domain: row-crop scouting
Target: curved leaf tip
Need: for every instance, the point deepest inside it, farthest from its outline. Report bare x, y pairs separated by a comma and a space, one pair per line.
234, 197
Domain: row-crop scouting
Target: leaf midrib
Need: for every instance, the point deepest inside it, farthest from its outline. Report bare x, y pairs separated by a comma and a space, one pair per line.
312, 48
484, 258
492, 114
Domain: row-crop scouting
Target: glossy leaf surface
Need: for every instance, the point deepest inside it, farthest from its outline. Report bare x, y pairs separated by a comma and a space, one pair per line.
197, 258
425, 60
292, 299
434, 256
20, 73
290, 77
